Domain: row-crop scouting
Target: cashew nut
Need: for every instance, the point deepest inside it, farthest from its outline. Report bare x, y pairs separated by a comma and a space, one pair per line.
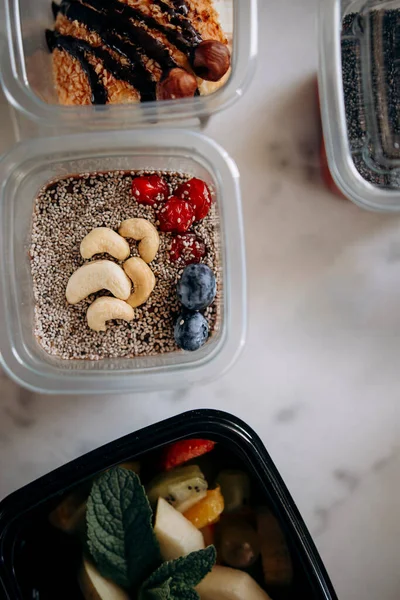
142, 278
104, 309
95, 276
103, 239
143, 231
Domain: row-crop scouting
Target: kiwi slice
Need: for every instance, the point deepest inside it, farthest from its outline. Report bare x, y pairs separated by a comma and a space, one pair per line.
235, 488
181, 487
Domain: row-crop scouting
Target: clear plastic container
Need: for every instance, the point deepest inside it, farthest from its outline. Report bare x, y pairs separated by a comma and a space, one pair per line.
26, 73
360, 99
22, 173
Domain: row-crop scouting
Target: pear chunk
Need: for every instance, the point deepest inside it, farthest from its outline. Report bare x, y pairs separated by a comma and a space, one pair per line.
224, 583
96, 587
175, 534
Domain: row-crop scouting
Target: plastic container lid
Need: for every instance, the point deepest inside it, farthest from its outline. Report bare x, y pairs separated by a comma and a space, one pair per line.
25, 71
25, 170
360, 98
24, 513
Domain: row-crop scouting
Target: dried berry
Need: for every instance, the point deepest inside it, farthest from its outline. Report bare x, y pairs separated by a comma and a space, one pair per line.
187, 249
176, 216
150, 189
196, 192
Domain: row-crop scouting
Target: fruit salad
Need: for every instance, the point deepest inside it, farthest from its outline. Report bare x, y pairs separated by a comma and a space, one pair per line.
125, 264
182, 523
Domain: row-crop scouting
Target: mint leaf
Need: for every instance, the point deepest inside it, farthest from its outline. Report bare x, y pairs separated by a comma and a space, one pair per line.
182, 592
160, 593
119, 527
188, 570
166, 592
182, 576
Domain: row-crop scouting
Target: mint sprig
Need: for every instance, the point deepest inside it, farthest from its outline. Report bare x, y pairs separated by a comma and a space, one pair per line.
124, 547
176, 579
121, 539
163, 592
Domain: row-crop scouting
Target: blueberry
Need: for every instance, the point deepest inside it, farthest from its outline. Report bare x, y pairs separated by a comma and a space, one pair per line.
197, 287
191, 331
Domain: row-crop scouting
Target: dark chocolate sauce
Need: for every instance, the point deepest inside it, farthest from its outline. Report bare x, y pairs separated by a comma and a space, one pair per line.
114, 67
55, 9
77, 49
145, 83
181, 6
176, 18
123, 27
184, 38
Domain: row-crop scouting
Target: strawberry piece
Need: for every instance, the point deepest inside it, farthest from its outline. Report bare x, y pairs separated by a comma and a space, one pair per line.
197, 193
181, 452
149, 189
176, 215
187, 249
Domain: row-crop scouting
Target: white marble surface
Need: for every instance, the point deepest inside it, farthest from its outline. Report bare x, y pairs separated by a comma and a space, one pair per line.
319, 378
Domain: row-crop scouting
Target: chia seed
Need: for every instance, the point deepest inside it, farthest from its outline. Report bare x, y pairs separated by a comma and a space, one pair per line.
373, 119
65, 211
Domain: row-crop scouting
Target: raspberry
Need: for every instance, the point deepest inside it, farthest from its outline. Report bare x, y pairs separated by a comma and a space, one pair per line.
176, 215
187, 249
196, 192
149, 189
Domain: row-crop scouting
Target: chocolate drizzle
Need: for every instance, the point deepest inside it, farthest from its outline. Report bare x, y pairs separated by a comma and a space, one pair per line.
81, 48
192, 36
127, 31
103, 23
181, 6
77, 49
55, 9
184, 38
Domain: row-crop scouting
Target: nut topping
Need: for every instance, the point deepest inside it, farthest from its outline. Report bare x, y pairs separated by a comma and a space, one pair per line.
178, 83
211, 60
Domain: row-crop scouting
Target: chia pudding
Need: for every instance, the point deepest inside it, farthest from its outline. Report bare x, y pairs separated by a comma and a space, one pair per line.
371, 93
68, 209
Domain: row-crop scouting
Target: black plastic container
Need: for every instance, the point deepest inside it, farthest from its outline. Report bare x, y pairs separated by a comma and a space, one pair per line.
30, 568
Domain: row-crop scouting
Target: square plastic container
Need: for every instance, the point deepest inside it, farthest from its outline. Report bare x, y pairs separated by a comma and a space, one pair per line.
32, 563
360, 99
25, 170
26, 72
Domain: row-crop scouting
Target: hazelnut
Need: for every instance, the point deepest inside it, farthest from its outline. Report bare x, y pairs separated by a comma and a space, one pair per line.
211, 60
177, 83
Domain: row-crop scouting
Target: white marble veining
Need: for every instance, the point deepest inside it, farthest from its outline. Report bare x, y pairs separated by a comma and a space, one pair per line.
319, 378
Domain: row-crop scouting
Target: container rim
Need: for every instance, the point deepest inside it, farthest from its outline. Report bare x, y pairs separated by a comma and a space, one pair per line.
333, 113
204, 368
18, 92
220, 426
